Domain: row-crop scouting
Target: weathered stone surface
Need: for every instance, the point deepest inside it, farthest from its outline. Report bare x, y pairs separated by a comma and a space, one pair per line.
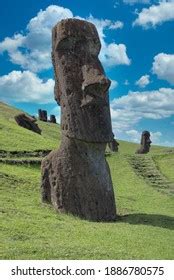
42, 115
52, 119
145, 143
81, 86
113, 145
27, 122
76, 178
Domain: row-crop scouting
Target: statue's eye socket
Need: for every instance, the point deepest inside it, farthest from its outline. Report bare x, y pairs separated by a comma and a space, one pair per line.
70, 43
78, 45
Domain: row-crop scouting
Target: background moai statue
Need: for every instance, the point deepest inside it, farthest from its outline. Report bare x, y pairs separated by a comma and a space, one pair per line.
76, 178
145, 143
113, 145
27, 122
44, 118
42, 115
52, 119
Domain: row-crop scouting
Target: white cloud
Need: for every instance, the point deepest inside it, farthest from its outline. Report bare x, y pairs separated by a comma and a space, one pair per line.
114, 84
156, 137
134, 135
32, 49
116, 25
128, 110
111, 54
163, 67
126, 82
132, 2
123, 119
156, 14
25, 86
143, 81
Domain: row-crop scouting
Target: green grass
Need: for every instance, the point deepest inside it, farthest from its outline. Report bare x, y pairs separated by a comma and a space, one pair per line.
16, 138
31, 230
146, 167
165, 164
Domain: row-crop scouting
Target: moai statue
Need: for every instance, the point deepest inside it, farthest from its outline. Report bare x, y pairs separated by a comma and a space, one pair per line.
52, 119
113, 145
42, 115
76, 178
27, 122
145, 143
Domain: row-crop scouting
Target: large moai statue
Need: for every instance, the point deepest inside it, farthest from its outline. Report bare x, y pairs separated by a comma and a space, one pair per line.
145, 143
76, 178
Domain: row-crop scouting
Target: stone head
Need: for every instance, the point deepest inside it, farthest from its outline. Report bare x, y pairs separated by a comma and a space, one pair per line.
81, 87
145, 140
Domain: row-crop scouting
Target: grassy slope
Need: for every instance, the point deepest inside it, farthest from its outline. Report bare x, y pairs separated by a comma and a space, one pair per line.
30, 230
16, 138
165, 164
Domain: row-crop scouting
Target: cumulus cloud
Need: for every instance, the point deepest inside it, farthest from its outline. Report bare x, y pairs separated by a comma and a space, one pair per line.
31, 49
114, 84
111, 54
143, 81
156, 14
134, 135
128, 110
156, 137
163, 67
126, 82
132, 2
25, 86
116, 25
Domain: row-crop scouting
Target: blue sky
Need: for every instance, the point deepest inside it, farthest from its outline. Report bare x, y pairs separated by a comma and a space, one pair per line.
137, 54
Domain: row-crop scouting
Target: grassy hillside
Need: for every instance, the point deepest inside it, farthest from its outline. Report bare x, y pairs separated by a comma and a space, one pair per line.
31, 230
16, 138
165, 163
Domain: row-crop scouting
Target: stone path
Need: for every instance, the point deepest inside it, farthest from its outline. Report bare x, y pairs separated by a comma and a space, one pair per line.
145, 167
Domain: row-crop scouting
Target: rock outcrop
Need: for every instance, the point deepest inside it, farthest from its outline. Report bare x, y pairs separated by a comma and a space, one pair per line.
76, 178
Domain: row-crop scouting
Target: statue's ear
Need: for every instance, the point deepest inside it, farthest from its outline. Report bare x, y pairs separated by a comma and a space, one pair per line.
57, 92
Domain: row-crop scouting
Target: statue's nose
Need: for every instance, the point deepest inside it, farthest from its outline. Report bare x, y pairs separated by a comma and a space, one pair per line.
97, 86
149, 141
94, 79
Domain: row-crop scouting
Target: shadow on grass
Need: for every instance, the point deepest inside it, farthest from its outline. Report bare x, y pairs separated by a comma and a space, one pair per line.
148, 219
